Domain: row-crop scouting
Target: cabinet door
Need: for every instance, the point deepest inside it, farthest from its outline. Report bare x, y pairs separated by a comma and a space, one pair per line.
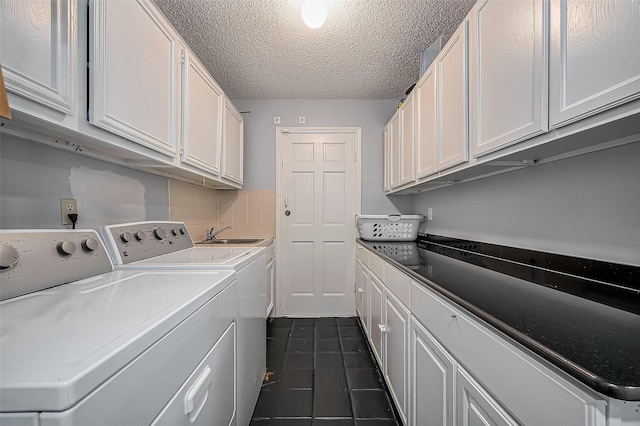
395, 149
375, 311
453, 100
396, 347
475, 407
201, 117
387, 157
432, 374
232, 143
38, 51
425, 140
361, 277
594, 57
508, 72
407, 161
134, 73
271, 279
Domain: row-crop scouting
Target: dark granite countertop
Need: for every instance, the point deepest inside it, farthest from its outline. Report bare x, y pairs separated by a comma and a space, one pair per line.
560, 317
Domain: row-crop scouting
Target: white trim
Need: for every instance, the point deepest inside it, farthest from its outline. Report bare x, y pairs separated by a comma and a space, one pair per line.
357, 131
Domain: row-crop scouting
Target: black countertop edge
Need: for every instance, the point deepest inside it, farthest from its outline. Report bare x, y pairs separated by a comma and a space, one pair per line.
595, 382
616, 274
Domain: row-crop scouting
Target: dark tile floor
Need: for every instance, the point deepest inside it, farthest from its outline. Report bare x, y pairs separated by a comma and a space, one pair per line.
321, 372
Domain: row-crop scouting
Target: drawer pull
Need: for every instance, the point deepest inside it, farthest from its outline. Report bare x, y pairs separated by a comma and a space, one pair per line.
359, 290
454, 316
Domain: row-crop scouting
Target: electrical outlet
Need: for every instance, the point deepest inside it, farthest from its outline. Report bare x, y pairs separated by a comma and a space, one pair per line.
430, 214
276, 120
302, 120
67, 206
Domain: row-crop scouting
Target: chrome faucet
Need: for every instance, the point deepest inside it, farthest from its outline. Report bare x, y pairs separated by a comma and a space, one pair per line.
212, 235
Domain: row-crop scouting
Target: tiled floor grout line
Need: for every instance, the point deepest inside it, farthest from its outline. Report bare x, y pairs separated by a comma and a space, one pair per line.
285, 341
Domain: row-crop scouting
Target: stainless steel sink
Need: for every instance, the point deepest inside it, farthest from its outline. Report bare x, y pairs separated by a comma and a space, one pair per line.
232, 241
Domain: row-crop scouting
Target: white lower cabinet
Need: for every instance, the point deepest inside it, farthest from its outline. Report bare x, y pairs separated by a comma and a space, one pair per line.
361, 278
376, 296
475, 406
395, 358
271, 280
432, 374
445, 367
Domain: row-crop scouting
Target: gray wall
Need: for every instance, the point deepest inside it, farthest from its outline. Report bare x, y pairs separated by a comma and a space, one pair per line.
586, 206
371, 116
33, 178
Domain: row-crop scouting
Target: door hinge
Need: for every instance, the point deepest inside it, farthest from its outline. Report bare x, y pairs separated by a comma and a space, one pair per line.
182, 56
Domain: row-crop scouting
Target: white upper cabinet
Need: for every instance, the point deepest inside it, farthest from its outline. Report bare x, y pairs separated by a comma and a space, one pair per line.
507, 72
135, 73
232, 143
425, 138
453, 100
38, 52
201, 117
407, 161
387, 157
594, 57
395, 151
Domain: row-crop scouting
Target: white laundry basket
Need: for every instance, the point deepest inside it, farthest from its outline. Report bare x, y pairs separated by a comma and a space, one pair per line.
389, 227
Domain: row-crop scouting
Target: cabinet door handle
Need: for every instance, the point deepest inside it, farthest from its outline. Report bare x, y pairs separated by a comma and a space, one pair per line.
383, 328
359, 290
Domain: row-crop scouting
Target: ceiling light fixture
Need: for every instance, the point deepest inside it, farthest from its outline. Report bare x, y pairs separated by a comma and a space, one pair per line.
314, 13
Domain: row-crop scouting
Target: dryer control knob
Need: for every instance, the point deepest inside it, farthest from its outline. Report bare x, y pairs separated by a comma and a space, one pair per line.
9, 257
126, 237
175, 232
90, 244
159, 234
140, 235
182, 231
66, 248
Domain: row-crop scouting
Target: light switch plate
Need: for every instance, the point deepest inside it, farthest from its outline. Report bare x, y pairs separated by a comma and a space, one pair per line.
302, 120
67, 206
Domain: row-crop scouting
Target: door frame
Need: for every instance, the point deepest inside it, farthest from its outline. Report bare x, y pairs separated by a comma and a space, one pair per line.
357, 132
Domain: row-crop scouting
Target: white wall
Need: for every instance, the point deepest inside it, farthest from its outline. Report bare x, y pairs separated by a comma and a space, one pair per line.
371, 116
586, 206
33, 178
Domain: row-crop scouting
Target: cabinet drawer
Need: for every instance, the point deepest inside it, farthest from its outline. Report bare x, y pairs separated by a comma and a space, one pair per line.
398, 282
488, 356
376, 264
362, 254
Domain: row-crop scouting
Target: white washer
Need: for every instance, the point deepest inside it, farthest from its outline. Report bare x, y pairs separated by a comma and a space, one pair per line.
83, 345
168, 245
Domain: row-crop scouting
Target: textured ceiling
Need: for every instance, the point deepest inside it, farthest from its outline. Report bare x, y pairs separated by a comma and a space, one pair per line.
367, 49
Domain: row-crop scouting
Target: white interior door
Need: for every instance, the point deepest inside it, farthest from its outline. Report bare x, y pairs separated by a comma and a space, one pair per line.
318, 192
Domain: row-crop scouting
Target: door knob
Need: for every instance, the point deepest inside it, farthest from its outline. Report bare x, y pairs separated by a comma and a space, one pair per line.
287, 213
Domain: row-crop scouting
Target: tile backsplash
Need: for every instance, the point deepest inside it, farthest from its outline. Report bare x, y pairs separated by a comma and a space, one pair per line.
194, 205
250, 213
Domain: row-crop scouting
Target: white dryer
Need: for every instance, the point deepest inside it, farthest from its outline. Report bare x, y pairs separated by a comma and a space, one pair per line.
82, 344
154, 246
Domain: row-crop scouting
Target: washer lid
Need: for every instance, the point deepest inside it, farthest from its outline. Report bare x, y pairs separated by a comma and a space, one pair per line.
200, 258
58, 345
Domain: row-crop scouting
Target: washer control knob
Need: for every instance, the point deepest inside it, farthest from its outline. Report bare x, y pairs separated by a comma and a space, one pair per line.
90, 244
182, 231
9, 257
140, 235
159, 234
66, 248
175, 232
126, 237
